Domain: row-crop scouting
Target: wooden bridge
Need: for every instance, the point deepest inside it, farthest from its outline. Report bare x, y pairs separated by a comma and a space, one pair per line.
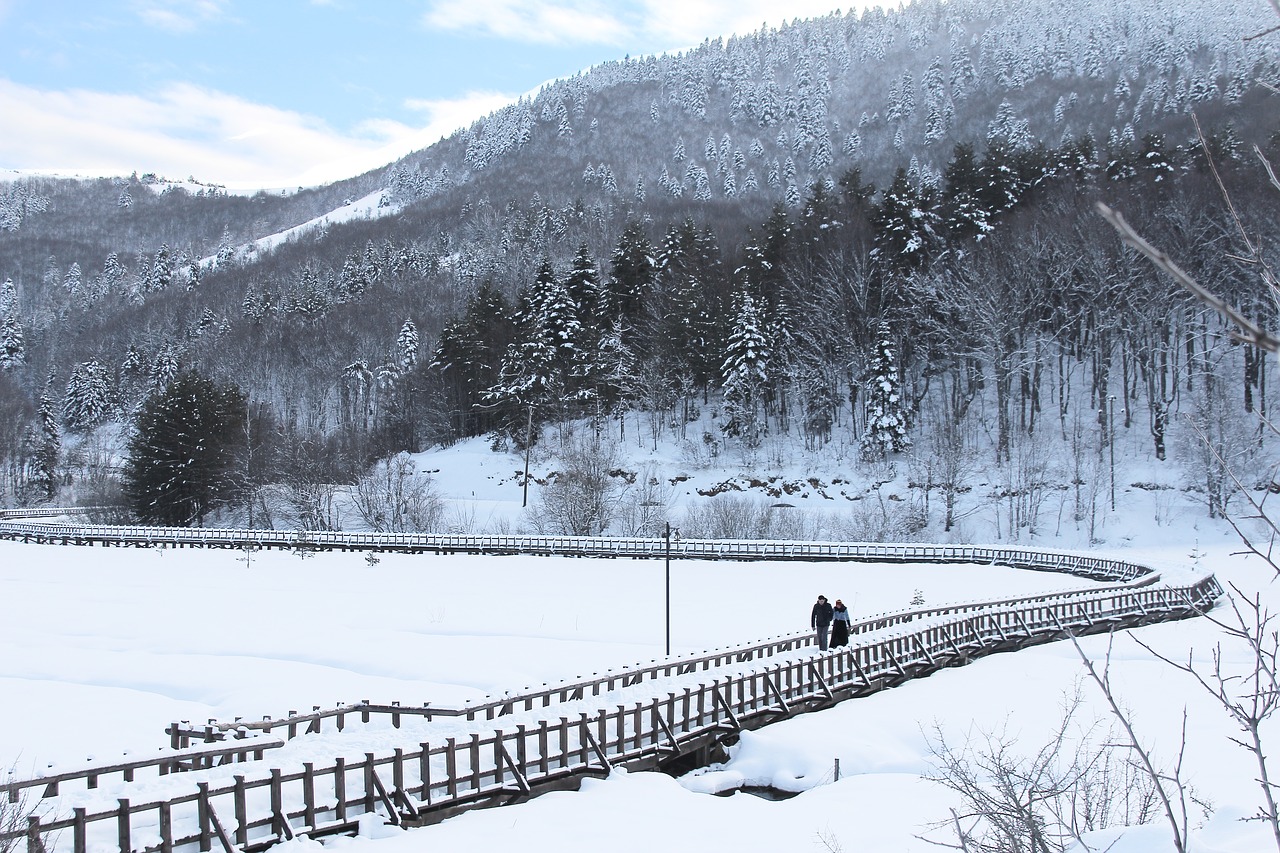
230, 784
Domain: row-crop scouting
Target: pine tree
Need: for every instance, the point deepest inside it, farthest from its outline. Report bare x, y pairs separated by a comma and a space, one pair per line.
42, 468
13, 347
469, 356
183, 449
631, 276
165, 367
906, 224
887, 422
87, 401
407, 343
8, 297
744, 374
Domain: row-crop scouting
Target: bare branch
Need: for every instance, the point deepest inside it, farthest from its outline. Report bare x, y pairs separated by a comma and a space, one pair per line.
1103, 681
1266, 164
1262, 34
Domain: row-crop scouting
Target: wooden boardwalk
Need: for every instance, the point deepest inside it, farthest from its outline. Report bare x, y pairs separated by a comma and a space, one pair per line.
518, 746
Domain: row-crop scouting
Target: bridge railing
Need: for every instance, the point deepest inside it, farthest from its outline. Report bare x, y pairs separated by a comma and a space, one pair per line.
293, 724
582, 546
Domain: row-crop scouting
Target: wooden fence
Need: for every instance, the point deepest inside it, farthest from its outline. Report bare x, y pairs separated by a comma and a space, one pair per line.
182, 734
571, 546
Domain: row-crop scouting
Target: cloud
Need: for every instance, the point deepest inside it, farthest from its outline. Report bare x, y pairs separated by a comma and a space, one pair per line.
638, 26
688, 22
557, 22
184, 130
178, 16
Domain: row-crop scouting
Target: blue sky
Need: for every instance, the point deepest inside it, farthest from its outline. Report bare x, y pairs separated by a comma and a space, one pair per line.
279, 93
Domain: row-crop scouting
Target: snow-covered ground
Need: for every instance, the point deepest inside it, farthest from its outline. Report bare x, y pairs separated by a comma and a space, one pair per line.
101, 649
371, 206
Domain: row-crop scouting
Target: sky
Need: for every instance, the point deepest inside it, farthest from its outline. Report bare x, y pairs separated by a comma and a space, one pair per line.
281, 93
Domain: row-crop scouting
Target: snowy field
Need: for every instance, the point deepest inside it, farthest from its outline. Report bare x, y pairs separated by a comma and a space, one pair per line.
101, 649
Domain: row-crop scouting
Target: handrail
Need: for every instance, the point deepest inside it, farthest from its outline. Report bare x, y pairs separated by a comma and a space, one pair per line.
588, 546
168, 761
493, 707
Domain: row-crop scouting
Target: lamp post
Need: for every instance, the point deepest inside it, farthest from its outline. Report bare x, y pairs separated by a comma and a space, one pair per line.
669, 530
1111, 441
528, 446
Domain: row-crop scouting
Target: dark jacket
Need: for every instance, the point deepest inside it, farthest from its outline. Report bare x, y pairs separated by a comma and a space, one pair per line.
821, 614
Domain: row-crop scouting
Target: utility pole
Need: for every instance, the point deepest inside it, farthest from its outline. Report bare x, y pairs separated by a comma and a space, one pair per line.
528, 446
1111, 440
668, 573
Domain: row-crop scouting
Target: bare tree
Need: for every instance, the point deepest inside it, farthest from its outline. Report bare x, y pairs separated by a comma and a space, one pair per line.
583, 496
395, 498
1041, 799
1250, 697
1175, 796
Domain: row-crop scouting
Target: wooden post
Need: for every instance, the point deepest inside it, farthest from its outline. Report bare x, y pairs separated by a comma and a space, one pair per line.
309, 794
397, 773
340, 787
473, 755
451, 768
34, 844
424, 772
242, 812
277, 810
79, 844
522, 752
122, 828
166, 828
202, 808
370, 792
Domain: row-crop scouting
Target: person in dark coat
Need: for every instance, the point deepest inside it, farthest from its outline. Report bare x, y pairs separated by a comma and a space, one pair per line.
839, 624
820, 620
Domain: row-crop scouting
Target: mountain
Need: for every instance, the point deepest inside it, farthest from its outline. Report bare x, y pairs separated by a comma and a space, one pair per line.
748, 225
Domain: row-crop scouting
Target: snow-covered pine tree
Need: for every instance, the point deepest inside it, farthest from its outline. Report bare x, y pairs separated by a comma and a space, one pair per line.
887, 420
165, 367
13, 347
744, 374
42, 470
87, 401
407, 343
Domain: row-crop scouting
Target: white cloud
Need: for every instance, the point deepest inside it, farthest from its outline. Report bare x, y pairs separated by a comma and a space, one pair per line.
557, 22
179, 16
688, 22
657, 24
186, 130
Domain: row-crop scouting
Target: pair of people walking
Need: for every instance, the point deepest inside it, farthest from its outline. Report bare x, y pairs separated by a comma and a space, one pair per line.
833, 618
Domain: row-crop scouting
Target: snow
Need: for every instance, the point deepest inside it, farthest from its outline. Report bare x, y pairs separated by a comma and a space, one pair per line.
100, 649
371, 206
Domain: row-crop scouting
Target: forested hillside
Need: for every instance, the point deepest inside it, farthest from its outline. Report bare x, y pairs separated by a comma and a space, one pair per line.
877, 227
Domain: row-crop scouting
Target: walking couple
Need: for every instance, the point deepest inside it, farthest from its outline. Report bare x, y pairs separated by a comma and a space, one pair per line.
822, 618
